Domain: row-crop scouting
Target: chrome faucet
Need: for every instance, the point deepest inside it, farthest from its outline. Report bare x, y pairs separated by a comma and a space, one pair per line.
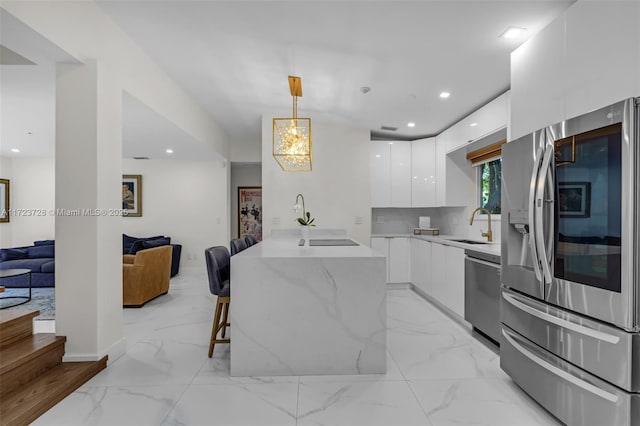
487, 234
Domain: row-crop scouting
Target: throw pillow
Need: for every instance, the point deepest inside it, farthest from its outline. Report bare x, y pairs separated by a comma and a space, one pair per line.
156, 243
38, 252
128, 241
44, 243
13, 254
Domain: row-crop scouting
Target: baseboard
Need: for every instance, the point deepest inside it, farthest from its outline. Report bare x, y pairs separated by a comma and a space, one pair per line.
448, 312
399, 286
115, 351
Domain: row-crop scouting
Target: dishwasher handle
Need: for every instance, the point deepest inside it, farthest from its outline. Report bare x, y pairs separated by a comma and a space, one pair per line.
483, 262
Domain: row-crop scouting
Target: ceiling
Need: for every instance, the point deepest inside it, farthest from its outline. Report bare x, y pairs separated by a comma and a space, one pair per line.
234, 58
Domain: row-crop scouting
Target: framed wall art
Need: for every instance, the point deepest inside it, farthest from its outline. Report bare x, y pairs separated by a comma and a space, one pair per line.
4, 200
250, 211
132, 195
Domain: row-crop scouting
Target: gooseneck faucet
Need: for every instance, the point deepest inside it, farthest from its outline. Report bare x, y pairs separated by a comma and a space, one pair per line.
487, 234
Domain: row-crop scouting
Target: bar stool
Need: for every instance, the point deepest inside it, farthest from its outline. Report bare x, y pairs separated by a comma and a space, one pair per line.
218, 268
250, 240
237, 245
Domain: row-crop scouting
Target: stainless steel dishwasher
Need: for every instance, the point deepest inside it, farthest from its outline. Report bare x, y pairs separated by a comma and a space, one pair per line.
482, 293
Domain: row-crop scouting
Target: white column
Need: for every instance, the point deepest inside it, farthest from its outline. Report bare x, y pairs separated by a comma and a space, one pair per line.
88, 176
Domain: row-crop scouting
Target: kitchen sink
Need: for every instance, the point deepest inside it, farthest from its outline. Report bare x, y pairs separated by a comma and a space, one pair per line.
470, 242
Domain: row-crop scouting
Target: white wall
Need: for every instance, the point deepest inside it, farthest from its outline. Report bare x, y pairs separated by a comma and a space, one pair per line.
242, 175
33, 188
245, 151
113, 64
183, 200
6, 228
335, 192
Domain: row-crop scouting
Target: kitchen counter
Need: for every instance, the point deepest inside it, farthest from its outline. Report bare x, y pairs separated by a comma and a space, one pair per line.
300, 310
490, 248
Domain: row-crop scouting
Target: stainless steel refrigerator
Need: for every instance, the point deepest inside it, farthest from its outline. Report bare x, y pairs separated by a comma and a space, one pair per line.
570, 301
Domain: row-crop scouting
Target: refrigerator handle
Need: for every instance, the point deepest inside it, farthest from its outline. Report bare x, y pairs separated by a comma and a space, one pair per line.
532, 208
539, 213
576, 381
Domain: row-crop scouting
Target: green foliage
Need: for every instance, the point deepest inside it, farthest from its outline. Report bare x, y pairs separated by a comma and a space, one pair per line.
306, 220
490, 182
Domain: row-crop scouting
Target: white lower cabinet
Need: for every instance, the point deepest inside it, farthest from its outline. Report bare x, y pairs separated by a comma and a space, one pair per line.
438, 270
421, 264
398, 253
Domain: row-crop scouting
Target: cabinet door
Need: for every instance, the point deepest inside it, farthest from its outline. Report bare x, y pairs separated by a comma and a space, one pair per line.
421, 264
438, 272
380, 173
441, 171
454, 294
399, 259
400, 174
423, 171
381, 244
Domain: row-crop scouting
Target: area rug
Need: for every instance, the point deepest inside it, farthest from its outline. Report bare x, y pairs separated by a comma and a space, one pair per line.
42, 299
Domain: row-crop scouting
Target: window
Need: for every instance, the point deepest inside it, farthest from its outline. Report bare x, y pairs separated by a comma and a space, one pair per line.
487, 160
489, 180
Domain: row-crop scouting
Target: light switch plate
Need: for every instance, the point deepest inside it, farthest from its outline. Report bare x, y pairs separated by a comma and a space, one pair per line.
358, 220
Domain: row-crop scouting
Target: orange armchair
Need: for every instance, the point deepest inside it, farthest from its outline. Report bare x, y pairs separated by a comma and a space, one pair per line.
145, 275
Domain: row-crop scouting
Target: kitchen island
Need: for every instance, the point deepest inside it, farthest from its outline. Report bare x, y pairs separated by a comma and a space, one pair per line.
307, 310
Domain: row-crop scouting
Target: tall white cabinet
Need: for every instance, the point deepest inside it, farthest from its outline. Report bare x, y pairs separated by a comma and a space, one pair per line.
423, 172
585, 59
390, 174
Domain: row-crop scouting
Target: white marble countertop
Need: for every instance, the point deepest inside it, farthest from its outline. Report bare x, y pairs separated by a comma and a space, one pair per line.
288, 247
490, 248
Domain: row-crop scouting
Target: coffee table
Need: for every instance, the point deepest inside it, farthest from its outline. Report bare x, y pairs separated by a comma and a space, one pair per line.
6, 273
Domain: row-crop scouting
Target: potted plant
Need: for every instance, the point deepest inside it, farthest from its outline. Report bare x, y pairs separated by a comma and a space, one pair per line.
305, 221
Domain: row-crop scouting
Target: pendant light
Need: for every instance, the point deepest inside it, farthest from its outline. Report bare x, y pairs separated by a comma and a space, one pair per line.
292, 136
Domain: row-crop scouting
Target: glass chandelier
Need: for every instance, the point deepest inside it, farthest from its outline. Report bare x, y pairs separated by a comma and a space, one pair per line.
292, 136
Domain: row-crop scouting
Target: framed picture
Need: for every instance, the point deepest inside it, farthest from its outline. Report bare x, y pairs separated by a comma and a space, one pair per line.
574, 199
565, 151
132, 195
4, 200
250, 211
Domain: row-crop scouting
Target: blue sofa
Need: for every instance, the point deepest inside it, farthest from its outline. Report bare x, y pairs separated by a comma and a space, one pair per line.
39, 258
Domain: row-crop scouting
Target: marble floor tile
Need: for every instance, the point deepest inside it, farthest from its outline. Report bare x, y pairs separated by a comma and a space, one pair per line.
134, 405
476, 402
236, 404
154, 361
358, 403
393, 374
437, 373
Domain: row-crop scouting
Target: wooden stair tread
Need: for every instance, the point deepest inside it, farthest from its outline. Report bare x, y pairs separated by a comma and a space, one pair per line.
28, 348
15, 325
12, 315
26, 404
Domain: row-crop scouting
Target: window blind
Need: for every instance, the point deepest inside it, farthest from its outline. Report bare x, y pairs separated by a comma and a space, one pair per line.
490, 152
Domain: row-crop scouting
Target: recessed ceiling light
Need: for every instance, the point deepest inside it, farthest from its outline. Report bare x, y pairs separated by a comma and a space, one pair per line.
15, 150
445, 95
411, 124
169, 151
377, 155
473, 124
29, 133
512, 32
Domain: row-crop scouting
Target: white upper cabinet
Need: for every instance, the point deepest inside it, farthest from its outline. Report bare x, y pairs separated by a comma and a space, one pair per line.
400, 174
585, 59
423, 171
537, 77
602, 55
380, 173
486, 120
390, 173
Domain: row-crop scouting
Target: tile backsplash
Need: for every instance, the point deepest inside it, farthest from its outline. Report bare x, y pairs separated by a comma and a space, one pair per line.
450, 220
